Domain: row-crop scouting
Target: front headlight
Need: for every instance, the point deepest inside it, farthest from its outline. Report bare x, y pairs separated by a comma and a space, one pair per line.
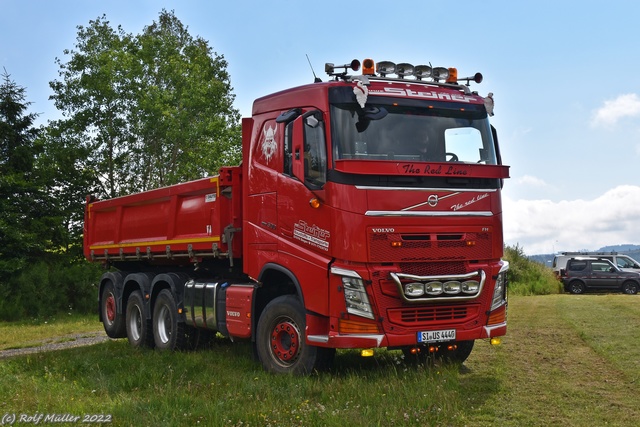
499, 292
355, 296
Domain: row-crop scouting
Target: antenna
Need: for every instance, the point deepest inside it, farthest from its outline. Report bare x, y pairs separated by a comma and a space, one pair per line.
315, 79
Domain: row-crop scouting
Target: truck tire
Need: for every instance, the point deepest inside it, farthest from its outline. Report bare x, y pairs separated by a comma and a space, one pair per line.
112, 321
168, 333
139, 329
280, 339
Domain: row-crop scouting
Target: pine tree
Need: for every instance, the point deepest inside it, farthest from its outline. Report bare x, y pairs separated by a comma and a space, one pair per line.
23, 223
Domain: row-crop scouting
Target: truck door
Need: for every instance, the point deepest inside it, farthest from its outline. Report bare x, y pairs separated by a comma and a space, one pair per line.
303, 219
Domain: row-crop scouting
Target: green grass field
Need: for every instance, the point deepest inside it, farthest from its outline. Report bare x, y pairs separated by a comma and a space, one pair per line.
567, 360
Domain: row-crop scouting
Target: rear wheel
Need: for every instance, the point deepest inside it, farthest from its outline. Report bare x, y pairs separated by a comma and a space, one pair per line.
576, 287
112, 321
280, 341
139, 329
630, 288
168, 333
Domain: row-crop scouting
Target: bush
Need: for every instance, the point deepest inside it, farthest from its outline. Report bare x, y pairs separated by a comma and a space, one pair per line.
46, 289
528, 277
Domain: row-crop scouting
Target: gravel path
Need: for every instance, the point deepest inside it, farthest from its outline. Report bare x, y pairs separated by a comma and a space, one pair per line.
57, 343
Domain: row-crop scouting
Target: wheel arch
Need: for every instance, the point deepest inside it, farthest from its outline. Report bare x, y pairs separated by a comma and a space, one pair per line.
117, 278
174, 282
138, 282
275, 281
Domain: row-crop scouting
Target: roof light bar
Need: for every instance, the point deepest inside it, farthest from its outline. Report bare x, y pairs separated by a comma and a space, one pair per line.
402, 70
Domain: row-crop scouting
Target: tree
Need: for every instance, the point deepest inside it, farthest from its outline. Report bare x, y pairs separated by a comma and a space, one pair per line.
27, 223
148, 110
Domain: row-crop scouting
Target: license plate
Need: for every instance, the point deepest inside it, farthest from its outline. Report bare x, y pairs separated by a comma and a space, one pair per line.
437, 336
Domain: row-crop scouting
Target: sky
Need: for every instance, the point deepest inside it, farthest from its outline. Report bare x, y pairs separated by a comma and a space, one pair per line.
565, 77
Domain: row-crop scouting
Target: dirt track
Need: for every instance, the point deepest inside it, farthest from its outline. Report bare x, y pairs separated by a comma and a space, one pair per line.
57, 343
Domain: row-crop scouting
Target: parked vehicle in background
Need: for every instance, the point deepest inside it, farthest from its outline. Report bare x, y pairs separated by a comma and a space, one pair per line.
583, 274
624, 262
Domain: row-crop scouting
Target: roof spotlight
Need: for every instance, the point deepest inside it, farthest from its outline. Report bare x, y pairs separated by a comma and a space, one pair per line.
385, 67
404, 69
440, 73
422, 71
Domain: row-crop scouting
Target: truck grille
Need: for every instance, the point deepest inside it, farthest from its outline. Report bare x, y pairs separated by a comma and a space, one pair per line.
429, 247
430, 314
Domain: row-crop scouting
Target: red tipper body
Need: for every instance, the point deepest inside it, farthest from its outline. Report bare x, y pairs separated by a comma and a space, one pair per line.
367, 210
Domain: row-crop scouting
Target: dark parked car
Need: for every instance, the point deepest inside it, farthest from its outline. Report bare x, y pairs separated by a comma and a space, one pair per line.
582, 274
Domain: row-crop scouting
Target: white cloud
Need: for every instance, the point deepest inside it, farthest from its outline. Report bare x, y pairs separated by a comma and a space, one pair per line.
627, 105
543, 226
533, 181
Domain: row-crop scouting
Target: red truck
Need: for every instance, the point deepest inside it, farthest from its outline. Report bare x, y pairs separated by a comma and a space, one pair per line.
366, 213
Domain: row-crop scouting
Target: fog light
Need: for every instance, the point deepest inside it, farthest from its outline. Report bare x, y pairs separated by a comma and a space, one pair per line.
414, 289
470, 287
367, 352
452, 287
433, 288
496, 341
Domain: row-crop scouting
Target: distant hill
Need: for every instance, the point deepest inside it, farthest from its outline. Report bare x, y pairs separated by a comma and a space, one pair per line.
620, 248
627, 249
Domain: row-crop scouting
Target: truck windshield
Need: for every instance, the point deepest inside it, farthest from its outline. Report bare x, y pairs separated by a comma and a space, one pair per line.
438, 133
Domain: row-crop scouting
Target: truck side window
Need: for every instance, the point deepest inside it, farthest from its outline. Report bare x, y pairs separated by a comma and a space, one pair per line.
315, 153
288, 138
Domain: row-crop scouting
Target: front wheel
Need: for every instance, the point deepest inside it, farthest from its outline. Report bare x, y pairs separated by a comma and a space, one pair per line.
280, 341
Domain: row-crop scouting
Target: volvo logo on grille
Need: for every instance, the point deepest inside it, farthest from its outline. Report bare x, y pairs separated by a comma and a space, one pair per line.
384, 230
432, 200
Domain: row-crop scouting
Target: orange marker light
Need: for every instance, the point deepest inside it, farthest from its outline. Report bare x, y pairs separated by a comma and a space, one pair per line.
396, 244
368, 67
453, 75
314, 203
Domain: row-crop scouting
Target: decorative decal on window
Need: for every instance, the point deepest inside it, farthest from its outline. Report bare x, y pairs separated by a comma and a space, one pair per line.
312, 235
361, 92
269, 143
